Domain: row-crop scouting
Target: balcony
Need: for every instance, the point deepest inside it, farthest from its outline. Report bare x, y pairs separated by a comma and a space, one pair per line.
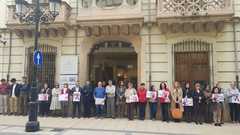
61, 22
188, 15
105, 17
104, 10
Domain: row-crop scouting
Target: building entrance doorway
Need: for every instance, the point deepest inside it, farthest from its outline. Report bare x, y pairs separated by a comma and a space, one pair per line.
192, 62
113, 60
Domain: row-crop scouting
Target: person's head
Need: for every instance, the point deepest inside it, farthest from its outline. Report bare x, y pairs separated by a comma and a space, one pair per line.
13, 80
57, 85
3, 81
45, 85
142, 85
233, 85
187, 85
130, 85
176, 85
77, 84
103, 83
110, 82
207, 88
197, 86
152, 88
65, 85
215, 90
163, 85
100, 84
121, 83
24, 79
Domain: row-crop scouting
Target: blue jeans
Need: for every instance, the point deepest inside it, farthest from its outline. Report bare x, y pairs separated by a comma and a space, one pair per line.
99, 110
153, 110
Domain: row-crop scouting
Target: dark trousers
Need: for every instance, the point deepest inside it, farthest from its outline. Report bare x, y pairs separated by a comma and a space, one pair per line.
188, 112
234, 113
76, 109
65, 107
43, 108
86, 107
142, 110
153, 110
208, 113
198, 110
165, 111
99, 110
130, 108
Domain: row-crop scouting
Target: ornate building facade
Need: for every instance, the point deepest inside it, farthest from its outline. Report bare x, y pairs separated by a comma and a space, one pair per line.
141, 40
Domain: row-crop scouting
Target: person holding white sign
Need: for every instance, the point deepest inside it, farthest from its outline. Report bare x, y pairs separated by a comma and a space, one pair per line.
233, 101
188, 102
63, 98
76, 94
153, 100
44, 102
131, 99
217, 99
164, 97
99, 96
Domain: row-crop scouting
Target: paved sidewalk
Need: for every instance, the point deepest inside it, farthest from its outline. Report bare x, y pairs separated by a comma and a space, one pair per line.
14, 125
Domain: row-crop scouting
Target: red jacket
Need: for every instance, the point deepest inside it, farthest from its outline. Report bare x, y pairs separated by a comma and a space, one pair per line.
142, 95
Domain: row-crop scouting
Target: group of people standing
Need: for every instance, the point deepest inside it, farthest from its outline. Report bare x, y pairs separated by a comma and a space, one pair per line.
195, 104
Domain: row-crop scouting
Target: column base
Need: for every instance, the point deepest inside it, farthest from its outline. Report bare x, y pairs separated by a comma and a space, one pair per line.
32, 126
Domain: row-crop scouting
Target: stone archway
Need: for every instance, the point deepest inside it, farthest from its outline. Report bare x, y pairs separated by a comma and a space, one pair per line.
88, 43
113, 60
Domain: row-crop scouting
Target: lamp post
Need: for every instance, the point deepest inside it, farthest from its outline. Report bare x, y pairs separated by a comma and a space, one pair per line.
35, 14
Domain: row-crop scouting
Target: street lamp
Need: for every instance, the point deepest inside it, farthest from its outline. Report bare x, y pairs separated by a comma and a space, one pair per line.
36, 14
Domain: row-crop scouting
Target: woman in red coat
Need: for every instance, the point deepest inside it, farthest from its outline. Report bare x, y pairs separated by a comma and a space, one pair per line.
142, 96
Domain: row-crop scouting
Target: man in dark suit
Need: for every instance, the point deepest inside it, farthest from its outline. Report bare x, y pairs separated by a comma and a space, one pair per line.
13, 96
76, 92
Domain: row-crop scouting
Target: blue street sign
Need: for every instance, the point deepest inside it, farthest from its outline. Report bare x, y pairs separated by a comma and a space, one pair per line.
38, 58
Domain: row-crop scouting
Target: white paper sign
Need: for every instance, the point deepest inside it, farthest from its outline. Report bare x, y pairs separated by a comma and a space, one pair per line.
187, 102
42, 97
99, 101
76, 96
149, 94
63, 97
218, 97
160, 93
133, 98
236, 99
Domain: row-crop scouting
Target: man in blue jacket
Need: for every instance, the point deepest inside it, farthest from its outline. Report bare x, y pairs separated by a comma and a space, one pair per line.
99, 96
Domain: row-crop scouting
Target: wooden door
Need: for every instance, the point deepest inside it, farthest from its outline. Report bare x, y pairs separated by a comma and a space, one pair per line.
192, 67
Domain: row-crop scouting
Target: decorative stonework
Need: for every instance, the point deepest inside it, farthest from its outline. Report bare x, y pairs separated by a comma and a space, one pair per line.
191, 7
189, 27
114, 29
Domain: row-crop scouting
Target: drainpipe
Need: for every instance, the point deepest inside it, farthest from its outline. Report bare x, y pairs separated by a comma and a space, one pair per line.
149, 25
235, 46
10, 55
